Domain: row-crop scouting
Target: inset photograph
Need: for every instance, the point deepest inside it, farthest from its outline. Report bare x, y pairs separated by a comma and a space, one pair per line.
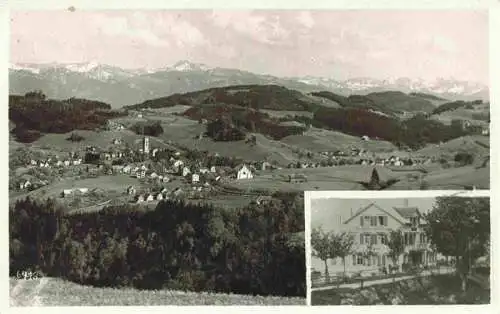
400, 251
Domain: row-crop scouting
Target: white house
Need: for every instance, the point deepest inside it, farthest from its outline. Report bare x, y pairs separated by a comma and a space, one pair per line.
212, 169
131, 190
150, 198
185, 171
67, 163
365, 138
159, 197
67, 192
204, 170
154, 175
126, 169
195, 178
243, 172
25, 184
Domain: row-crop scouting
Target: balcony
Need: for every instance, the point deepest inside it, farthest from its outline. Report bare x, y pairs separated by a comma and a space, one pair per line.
416, 247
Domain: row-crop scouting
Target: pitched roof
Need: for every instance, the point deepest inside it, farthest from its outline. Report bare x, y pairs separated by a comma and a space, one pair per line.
389, 211
407, 212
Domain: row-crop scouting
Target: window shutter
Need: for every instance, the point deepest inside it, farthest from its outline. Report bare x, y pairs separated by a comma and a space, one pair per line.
361, 221
385, 220
374, 239
354, 260
361, 238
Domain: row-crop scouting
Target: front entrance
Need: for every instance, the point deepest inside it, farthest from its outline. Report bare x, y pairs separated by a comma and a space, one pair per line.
416, 257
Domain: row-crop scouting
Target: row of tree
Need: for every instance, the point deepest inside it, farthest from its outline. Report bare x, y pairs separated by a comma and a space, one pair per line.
177, 245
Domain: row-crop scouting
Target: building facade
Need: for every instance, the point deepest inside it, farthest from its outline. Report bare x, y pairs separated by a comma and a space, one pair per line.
371, 227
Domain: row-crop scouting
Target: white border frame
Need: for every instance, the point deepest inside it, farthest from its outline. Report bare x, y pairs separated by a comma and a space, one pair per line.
493, 5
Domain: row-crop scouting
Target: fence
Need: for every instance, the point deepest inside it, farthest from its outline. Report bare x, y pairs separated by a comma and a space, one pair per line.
321, 280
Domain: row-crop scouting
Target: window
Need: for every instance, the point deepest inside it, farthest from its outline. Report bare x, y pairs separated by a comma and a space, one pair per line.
383, 260
361, 221
361, 238
374, 239
354, 260
383, 239
373, 221
422, 238
367, 239
359, 260
381, 220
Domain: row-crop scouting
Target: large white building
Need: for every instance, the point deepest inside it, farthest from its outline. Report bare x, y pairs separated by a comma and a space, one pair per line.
243, 172
370, 226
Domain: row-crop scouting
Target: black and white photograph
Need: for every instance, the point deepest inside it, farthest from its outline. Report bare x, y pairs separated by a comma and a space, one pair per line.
400, 251
161, 156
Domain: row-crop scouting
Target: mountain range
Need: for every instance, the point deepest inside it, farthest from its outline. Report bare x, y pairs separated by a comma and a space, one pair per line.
121, 87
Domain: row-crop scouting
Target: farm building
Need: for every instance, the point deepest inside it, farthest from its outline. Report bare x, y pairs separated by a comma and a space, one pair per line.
195, 178
297, 178
185, 171
139, 198
243, 172
131, 190
263, 199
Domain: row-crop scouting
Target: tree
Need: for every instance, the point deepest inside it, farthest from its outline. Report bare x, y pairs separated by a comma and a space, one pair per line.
342, 246
320, 243
396, 247
460, 227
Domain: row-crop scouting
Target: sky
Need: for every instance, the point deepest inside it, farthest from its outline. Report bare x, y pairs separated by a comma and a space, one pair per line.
325, 212
339, 44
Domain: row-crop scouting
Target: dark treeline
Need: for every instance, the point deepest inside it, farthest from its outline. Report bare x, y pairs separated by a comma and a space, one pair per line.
177, 245
232, 123
414, 133
34, 115
450, 106
271, 97
151, 128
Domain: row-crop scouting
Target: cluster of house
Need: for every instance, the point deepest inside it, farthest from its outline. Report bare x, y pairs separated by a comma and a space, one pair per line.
32, 184
49, 162
159, 195
114, 126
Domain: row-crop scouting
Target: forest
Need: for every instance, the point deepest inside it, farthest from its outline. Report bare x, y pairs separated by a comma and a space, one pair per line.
232, 123
177, 245
415, 132
35, 115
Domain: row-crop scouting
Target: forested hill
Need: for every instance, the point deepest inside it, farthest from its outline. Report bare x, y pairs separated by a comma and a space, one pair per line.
274, 97
35, 115
388, 102
271, 97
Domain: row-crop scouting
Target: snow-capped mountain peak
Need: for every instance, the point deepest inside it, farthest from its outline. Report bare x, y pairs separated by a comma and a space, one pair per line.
186, 66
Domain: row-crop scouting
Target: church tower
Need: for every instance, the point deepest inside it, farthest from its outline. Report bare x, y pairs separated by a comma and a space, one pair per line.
145, 145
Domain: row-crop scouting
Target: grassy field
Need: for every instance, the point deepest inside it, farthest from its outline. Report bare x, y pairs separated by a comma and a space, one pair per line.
319, 140
325, 178
462, 144
57, 292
